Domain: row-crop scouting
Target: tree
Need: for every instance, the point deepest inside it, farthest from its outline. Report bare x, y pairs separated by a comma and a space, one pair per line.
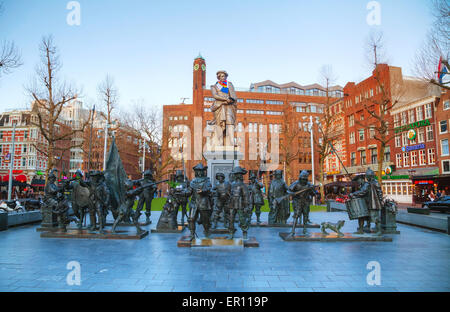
436, 46
9, 55
148, 122
327, 128
387, 95
288, 145
50, 96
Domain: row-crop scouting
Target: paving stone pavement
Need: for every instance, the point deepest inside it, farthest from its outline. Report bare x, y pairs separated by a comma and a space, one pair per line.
416, 260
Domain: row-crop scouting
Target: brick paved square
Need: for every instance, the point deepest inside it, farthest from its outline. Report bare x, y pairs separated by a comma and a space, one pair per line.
416, 260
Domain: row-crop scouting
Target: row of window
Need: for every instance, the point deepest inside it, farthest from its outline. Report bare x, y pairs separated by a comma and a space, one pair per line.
413, 115
420, 138
361, 135
373, 153
178, 117
298, 91
415, 158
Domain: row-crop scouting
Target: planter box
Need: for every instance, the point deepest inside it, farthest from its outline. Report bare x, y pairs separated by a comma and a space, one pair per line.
3, 221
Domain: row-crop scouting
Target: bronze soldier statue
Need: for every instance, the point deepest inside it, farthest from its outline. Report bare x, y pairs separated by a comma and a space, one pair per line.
82, 201
53, 196
127, 205
221, 193
373, 195
302, 192
279, 210
200, 203
256, 198
180, 194
146, 196
100, 196
239, 203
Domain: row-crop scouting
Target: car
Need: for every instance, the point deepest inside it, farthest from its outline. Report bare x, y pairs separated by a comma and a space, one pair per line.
442, 204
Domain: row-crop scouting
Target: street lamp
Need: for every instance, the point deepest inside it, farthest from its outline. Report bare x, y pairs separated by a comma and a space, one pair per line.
11, 164
107, 126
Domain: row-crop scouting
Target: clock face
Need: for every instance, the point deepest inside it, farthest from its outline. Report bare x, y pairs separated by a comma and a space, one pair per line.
196, 67
203, 67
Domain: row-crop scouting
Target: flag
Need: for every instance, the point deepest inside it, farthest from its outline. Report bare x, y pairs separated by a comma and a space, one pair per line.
442, 70
115, 175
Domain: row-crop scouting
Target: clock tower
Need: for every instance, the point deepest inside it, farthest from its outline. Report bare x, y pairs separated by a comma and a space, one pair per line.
199, 70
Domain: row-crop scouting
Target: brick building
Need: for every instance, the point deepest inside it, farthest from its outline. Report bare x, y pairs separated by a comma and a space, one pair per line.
129, 144
265, 111
30, 161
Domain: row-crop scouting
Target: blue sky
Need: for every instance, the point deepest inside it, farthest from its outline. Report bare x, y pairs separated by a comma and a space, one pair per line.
149, 46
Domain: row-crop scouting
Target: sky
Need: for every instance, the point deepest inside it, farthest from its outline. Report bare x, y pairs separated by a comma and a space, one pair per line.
148, 47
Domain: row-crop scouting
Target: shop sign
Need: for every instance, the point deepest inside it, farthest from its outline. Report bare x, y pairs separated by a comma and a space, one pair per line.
413, 125
413, 147
424, 182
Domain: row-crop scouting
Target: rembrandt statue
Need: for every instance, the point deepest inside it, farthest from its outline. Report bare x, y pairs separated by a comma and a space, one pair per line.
224, 109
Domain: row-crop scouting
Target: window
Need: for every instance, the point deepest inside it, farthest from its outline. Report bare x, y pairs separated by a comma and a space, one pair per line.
430, 133
419, 113
444, 148
256, 112
446, 166
275, 102
353, 159
240, 127
351, 120
404, 119
363, 157
300, 109
431, 156
313, 108
421, 135
446, 105
361, 134
405, 159
412, 116
387, 154
273, 113
414, 158
398, 141
371, 133
422, 158
443, 126
398, 160
254, 101
373, 155
428, 110
396, 120
404, 139
352, 137
24, 148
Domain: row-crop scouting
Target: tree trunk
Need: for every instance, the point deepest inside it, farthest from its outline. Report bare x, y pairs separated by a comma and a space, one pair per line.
322, 190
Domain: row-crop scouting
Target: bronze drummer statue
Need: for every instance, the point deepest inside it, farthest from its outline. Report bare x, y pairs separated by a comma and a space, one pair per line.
372, 195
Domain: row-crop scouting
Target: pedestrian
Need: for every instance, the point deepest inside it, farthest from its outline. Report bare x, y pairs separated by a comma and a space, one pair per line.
431, 196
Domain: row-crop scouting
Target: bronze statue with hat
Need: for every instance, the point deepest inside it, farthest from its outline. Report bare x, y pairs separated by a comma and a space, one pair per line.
200, 203
239, 203
224, 109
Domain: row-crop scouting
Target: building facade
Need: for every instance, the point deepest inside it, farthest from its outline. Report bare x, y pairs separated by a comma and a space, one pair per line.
269, 115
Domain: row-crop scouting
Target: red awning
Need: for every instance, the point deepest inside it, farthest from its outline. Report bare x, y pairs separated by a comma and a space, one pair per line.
20, 178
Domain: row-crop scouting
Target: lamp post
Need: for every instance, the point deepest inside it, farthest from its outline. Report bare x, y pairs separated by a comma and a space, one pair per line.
11, 164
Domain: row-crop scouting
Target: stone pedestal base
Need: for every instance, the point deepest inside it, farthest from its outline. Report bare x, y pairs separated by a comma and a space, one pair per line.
333, 237
85, 234
219, 231
286, 225
222, 161
217, 242
179, 229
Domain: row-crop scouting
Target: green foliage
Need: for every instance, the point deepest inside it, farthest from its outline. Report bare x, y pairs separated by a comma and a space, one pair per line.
158, 203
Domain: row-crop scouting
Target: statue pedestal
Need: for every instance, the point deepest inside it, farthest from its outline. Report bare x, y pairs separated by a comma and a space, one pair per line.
285, 225
332, 237
222, 159
217, 242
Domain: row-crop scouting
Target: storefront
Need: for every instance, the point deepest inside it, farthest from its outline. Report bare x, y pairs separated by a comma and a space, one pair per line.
423, 185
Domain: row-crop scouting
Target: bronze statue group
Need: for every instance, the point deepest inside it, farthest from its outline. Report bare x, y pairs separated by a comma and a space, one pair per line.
209, 204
